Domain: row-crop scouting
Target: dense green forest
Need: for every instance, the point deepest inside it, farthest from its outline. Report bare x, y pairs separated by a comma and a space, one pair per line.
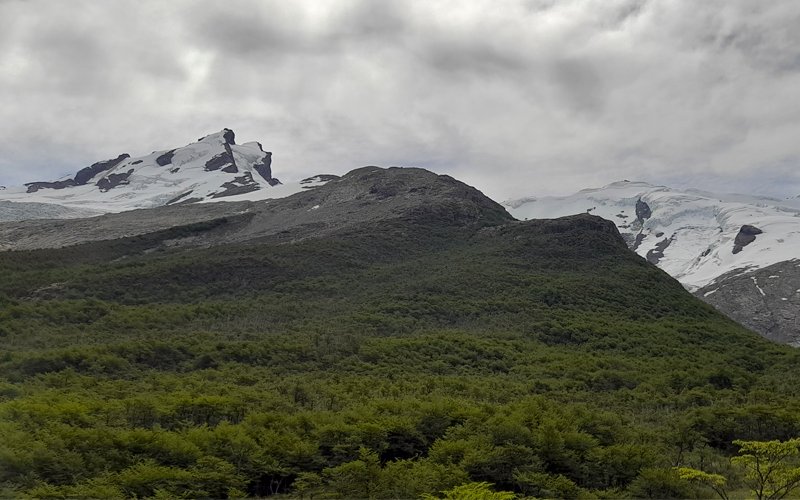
392, 361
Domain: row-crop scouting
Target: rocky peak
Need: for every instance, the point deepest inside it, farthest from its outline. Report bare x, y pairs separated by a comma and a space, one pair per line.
224, 136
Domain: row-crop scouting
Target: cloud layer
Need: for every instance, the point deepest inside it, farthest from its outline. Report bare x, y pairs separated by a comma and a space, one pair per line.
516, 97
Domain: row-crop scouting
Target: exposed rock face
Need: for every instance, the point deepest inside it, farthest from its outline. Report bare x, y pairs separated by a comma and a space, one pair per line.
766, 300
166, 158
223, 161
264, 167
114, 180
747, 234
228, 137
179, 198
643, 210
239, 185
635, 242
83, 176
656, 254
35, 186
86, 174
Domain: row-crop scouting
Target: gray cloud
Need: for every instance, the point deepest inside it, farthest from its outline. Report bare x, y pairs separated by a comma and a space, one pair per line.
517, 97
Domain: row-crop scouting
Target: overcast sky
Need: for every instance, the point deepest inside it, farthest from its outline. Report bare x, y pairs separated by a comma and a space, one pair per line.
516, 97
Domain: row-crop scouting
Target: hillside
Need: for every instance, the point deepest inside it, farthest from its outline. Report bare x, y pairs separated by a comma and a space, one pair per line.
701, 238
429, 342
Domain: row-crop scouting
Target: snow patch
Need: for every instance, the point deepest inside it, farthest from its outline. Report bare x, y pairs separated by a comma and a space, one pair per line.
760, 290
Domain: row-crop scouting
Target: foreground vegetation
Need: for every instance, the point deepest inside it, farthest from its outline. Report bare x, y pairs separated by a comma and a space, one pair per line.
391, 362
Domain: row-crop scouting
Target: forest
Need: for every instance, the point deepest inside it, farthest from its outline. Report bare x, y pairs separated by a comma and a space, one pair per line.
538, 359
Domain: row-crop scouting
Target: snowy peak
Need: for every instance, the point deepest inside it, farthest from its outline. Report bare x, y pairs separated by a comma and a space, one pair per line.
213, 168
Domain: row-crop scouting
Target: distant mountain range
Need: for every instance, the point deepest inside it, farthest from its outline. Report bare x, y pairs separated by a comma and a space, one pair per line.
740, 253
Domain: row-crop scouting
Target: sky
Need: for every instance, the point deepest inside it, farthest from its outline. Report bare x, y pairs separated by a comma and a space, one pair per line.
515, 97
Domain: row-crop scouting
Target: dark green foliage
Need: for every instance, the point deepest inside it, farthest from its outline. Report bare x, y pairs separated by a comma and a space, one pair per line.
388, 362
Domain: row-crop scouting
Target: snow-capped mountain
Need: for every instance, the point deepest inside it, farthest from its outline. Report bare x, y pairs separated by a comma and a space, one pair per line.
695, 236
704, 240
214, 168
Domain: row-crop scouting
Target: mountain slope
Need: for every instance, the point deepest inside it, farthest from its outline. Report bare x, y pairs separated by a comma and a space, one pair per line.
363, 195
766, 300
213, 168
431, 342
696, 237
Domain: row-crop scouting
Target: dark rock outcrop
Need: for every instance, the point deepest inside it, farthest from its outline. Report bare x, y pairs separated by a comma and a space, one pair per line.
179, 197
227, 136
217, 162
239, 185
643, 210
747, 234
223, 161
654, 255
264, 167
638, 241
35, 186
84, 175
114, 180
166, 158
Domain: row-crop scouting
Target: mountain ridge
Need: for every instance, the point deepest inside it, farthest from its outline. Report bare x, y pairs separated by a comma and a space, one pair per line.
364, 195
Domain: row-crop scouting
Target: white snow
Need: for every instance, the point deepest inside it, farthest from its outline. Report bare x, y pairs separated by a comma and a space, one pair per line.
701, 225
760, 290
